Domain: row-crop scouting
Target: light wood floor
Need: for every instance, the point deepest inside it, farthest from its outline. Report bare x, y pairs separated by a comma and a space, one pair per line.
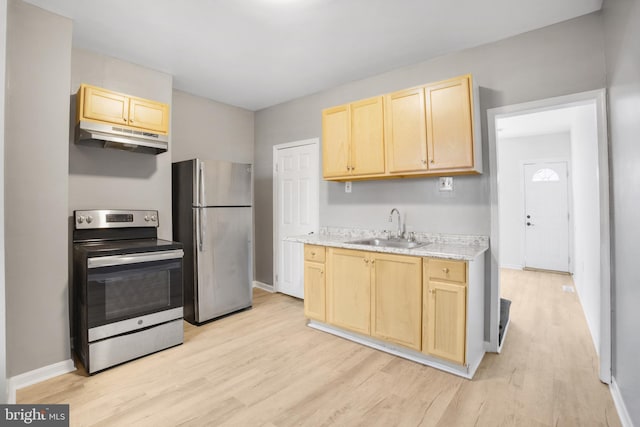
263, 367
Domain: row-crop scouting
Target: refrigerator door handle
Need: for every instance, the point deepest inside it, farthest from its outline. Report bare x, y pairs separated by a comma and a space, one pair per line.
199, 236
201, 191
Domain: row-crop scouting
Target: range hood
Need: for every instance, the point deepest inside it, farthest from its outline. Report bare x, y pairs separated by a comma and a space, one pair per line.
110, 136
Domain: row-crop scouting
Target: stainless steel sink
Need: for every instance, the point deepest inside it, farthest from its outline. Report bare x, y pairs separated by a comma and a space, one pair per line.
389, 243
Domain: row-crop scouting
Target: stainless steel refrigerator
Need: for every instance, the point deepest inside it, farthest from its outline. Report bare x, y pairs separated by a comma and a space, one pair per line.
212, 218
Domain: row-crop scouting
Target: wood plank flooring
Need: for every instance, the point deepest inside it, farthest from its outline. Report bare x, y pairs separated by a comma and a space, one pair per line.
264, 367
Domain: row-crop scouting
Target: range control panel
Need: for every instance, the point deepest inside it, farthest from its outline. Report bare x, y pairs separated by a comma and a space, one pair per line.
104, 218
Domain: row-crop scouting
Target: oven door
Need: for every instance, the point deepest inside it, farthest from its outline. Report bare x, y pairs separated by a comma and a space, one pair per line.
137, 286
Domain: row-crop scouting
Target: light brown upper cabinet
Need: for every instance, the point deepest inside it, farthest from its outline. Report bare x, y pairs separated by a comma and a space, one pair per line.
429, 130
102, 105
353, 140
406, 131
450, 124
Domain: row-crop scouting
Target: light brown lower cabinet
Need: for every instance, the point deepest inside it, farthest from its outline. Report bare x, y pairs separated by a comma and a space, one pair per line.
349, 290
418, 303
314, 282
445, 315
396, 299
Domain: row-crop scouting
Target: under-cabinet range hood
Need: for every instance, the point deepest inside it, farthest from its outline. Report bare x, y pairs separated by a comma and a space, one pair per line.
112, 136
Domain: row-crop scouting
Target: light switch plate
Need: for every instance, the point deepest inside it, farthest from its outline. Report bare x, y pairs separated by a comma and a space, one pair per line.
347, 187
446, 183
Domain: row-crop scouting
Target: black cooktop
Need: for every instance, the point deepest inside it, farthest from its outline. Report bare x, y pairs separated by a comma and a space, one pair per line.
120, 247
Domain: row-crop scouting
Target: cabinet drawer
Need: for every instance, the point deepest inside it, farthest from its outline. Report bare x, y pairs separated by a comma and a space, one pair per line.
314, 253
455, 271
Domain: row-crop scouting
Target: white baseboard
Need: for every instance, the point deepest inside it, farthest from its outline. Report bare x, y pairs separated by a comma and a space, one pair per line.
36, 376
625, 418
511, 266
263, 286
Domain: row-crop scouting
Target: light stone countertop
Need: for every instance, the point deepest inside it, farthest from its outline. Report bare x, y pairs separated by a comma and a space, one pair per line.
457, 247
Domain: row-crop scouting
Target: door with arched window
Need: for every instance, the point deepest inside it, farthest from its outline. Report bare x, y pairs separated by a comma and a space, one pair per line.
546, 217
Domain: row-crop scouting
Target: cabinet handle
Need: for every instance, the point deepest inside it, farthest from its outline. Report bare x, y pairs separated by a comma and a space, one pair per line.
313, 254
321, 271
366, 261
445, 270
432, 161
373, 261
124, 119
424, 162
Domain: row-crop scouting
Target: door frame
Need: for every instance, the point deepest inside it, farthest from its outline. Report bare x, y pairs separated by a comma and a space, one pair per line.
523, 228
316, 183
598, 97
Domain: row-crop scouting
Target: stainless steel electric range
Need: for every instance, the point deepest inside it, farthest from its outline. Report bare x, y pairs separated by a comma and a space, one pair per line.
127, 287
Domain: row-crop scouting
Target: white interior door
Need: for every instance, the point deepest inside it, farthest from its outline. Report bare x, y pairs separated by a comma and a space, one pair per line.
296, 204
546, 221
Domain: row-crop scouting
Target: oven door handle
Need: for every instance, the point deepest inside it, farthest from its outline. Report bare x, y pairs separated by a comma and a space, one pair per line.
111, 260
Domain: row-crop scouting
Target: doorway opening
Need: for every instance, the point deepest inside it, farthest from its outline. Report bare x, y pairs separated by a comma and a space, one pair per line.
572, 130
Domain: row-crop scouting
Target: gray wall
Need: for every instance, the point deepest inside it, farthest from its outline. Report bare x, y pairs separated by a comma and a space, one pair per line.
557, 60
208, 129
622, 32
36, 187
115, 179
3, 336
511, 153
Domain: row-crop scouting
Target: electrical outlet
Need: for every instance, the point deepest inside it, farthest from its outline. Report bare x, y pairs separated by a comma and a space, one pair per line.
347, 187
446, 183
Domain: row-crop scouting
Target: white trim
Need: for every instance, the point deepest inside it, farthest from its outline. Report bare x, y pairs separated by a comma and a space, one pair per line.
618, 401
599, 97
284, 146
465, 371
263, 286
293, 144
512, 266
38, 375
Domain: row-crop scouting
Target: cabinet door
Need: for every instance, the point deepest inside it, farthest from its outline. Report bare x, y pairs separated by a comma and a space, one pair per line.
445, 328
367, 139
314, 291
105, 106
335, 142
349, 290
396, 288
406, 131
449, 124
149, 115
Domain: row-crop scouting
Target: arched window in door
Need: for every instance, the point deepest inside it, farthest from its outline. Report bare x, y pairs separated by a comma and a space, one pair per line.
545, 175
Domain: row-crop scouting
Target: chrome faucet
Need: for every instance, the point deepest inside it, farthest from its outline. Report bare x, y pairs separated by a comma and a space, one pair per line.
399, 234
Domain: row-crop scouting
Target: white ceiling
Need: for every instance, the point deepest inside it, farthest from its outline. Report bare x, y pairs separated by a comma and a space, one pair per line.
258, 53
538, 123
